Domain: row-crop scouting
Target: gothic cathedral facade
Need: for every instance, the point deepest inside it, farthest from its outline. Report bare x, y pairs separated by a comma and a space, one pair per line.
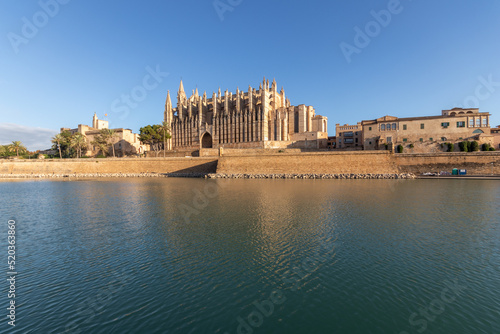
260, 118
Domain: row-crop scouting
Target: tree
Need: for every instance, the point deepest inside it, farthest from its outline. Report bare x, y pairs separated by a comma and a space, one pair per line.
474, 146
108, 135
463, 146
165, 128
400, 149
104, 139
101, 143
2, 151
57, 140
17, 147
450, 147
63, 144
78, 141
152, 136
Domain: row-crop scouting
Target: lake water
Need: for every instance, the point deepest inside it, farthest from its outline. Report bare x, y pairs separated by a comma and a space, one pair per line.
253, 256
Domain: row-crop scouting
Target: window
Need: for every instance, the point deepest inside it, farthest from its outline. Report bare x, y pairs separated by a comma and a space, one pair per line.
370, 128
389, 139
405, 140
445, 124
404, 126
471, 123
421, 139
382, 127
485, 122
369, 143
431, 139
478, 122
356, 140
443, 138
421, 125
394, 126
349, 140
460, 124
348, 134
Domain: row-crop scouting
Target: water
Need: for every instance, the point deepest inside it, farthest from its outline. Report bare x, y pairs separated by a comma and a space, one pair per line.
253, 256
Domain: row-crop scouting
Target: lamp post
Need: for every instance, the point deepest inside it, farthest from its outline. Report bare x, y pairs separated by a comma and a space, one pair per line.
492, 168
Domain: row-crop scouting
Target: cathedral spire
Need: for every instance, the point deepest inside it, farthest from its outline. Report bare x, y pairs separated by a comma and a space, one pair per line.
181, 87
168, 103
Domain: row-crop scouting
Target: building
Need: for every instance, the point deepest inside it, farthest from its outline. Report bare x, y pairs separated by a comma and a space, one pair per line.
451, 126
125, 141
349, 136
495, 133
331, 143
260, 118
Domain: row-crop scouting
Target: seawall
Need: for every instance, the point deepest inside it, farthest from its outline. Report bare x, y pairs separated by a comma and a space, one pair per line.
109, 166
360, 162
476, 163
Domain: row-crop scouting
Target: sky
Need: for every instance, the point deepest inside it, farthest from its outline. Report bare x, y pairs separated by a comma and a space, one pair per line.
61, 61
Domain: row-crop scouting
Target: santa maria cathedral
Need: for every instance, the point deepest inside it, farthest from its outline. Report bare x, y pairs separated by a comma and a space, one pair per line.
260, 118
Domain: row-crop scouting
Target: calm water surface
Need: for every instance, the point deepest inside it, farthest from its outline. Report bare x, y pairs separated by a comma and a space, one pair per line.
253, 256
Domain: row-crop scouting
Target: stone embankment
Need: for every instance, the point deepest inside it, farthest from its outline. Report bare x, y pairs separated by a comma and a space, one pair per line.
98, 175
310, 176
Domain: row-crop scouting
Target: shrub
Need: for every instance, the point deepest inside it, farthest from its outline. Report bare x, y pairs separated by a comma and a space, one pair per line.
451, 147
100, 156
491, 148
474, 146
412, 146
463, 146
469, 146
400, 149
386, 146
485, 147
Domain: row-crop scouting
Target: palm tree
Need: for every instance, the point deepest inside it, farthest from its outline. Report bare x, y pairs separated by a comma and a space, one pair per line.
165, 128
57, 139
78, 141
108, 135
17, 146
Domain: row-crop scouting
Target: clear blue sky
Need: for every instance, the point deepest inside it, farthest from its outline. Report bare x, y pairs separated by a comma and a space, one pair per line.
429, 56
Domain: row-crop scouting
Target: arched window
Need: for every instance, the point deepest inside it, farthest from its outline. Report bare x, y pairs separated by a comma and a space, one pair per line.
394, 126
382, 127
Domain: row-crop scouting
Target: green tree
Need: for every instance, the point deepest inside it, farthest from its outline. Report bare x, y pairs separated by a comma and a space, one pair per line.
101, 143
2, 151
108, 136
152, 135
104, 139
451, 147
165, 132
400, 149
474, 146
17, 147
463, 146
57, 140
78, 141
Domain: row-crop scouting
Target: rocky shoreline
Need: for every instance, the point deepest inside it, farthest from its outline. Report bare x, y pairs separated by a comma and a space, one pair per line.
210, 176
311, 176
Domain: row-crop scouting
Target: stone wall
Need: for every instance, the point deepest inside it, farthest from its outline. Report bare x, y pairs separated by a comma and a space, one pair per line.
476, 163
327, 163
241, 162
109, 165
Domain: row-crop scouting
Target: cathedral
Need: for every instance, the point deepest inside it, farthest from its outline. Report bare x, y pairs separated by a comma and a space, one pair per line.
260, 118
